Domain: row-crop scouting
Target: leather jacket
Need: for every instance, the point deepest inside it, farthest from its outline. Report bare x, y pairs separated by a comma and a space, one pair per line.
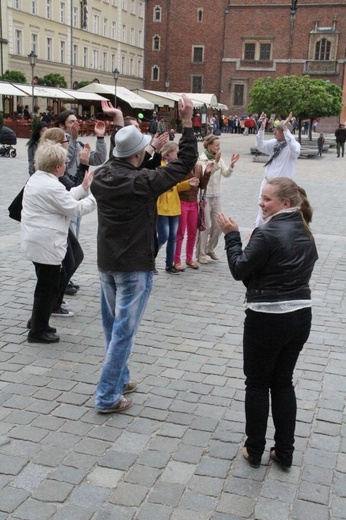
277, 263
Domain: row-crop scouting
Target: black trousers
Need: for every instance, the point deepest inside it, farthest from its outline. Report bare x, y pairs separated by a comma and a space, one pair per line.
47, 285
272, 343
73, 258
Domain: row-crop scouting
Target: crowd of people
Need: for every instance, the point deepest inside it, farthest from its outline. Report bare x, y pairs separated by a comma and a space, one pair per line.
147, 195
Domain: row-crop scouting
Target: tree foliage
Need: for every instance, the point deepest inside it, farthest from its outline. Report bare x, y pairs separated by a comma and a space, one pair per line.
14, 76
307, 98
52, 80
82, 84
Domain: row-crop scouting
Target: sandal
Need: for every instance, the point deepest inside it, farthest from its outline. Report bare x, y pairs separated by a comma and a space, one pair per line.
179, 267
192, 264
276, 459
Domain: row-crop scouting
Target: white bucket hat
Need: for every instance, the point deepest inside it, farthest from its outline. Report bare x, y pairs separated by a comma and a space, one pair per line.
129, 141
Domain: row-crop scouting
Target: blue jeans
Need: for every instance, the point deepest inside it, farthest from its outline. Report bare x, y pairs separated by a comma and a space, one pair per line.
124, 297
167, 228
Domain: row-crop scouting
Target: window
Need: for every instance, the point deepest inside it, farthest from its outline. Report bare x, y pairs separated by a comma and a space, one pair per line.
104, 61
105, 27
33, 6
123, 65
156, 42
48, 9
18, 41
157, 14
113, 62
123, 34
198, 54
257, 50
139, 68
95, 59
131, 67
322, 50
62, 52
17, 4
133, 7
238, 95
199, 15
114, 30
265, 49
124, 5
196, 84
85, 58
155, 73
96, 23
62, 12
75, 16
249, 51
141, 10
75, 55
114, 3
140, 39
132, 36
49, 49
34, 43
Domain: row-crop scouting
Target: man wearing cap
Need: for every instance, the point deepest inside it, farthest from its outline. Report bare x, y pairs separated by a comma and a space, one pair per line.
283, 153
126, 246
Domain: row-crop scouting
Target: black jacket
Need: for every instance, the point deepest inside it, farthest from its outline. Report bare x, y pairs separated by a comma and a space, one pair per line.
340, 135
277, 263
126, 203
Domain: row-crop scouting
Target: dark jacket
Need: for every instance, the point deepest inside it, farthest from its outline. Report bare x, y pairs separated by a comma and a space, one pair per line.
277, 263
340, 135
126, 202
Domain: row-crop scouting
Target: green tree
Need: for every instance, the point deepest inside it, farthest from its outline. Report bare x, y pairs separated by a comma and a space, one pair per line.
82, 84
52, 80
14, 76
307, 98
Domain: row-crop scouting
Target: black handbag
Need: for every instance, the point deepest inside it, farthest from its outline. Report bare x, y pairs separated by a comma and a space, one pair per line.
16, 206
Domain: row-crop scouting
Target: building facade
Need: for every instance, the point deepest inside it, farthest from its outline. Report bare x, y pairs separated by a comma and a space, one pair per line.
82, 40
222, 47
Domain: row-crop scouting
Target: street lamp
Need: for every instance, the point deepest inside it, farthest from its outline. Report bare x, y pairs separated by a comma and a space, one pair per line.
167, 84
32, 59
116, 73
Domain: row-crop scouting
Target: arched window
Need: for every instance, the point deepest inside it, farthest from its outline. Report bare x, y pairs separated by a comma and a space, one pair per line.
157, 13
155, 73
156, 42
322, 50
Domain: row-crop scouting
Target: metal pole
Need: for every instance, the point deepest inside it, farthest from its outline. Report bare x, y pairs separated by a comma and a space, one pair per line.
71, 36
115, 93
32, 89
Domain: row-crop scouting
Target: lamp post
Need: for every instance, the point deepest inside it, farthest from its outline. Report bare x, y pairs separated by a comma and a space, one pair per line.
167, 85
116, 77
32, 59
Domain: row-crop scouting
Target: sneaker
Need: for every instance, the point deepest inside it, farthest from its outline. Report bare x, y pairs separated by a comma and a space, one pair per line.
155, 271
70, 290
172, 270
75, 285
122, 405
130, 387
63, 313
64, 304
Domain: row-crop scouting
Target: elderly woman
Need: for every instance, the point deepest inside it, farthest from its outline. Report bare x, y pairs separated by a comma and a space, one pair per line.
47, 208
275, 267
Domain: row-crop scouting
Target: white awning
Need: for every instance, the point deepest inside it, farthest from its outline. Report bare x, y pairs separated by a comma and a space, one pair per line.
44, 92
169, 99
205, 99
7, 89
134, 100
84, 96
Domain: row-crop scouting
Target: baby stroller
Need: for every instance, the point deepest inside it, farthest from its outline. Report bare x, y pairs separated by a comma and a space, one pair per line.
7, 139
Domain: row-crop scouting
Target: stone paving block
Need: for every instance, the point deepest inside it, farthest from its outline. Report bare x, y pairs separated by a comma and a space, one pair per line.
92, 447
184, 514
166, 493
211, 467
157, 511
89, 496
239, 486
50, 457
197, 438
143, 426
130, 495
131, 442
69, 512
198, 502
311, 492
276, 490
112, 512
117, 460
33, 509
180, 418
154, 459
42, 407
269, 509
338, 507
11, 498
18, 403
172, 430
104, 433
139, 474
60, 440
31, 477
47, 394
321, 458
207, 424
340, 484
105, 477
209, 486
236, 505
79, 460
11, 465
69, 412
189, 454
303, 510
29, 433
223, 450
48, 422
178, 472
153, 413
52, 491
68, 474
167, 444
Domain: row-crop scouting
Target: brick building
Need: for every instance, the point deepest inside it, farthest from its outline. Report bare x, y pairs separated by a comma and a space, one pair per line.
222, 47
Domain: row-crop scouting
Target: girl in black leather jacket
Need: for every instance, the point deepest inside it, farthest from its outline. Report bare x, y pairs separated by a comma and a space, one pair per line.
276, 267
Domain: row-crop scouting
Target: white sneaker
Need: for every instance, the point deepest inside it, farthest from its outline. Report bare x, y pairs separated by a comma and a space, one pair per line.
63, 313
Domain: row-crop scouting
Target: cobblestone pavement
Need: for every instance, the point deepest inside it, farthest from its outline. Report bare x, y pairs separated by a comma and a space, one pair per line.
176, 454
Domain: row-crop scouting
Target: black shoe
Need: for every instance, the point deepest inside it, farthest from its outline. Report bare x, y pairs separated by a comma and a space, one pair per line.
63, 313
172, 270
49, 329
76, 286
275, 458
254, 462
155, 271
43, 337
71, 290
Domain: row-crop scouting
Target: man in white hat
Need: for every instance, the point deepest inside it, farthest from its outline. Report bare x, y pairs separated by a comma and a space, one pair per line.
126, 246
283, 153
